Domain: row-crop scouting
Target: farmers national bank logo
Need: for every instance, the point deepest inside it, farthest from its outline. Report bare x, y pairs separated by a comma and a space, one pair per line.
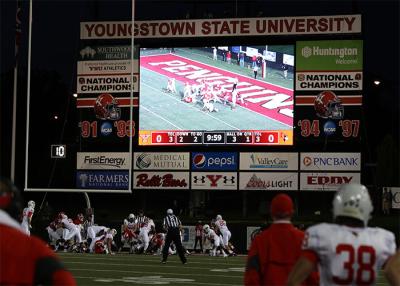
102, 180
264, 162
215, 161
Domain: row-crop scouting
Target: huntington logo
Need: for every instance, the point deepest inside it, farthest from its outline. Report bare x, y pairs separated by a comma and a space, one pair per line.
306, 52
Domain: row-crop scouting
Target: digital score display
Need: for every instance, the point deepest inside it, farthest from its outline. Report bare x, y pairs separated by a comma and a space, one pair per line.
250, 137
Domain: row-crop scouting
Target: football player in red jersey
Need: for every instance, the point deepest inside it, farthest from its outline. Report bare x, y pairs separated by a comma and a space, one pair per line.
25, 260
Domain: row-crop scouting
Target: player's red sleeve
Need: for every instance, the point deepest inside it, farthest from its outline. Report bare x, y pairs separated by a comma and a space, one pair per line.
252, 273
310, 255
62, 277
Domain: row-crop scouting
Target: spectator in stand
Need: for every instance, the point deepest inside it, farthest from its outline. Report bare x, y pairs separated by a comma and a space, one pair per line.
274, 251
253, 61
241, 59
25, 260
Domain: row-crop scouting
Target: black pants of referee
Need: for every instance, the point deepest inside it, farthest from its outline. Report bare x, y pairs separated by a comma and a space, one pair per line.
173, 235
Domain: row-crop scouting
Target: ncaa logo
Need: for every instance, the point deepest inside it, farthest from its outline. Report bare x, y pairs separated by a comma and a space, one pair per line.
199, 160
143, 161
329, 128
306, 52
106, 128
307, 161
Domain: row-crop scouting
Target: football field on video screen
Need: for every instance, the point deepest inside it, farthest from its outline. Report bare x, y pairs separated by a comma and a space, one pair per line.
124, 269
160, 110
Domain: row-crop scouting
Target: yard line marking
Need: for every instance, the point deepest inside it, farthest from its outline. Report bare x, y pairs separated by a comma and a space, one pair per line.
162, 118
152, 283
181, 102
158, 273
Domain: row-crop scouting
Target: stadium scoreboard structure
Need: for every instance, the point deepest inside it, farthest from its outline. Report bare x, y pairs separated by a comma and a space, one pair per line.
294, 95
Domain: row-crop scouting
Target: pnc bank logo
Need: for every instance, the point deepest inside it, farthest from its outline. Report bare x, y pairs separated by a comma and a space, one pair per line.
307, 161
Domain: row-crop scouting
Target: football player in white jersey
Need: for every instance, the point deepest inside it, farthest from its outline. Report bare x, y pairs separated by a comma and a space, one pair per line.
221, 226
346, 252
93, 232
104, 242
73, 230
27, 217
214, 239
145, 227
129, 229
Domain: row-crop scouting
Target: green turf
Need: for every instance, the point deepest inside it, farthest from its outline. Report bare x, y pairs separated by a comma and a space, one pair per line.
124, 269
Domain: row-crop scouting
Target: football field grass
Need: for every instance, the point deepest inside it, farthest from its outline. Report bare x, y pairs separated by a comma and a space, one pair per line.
125, 269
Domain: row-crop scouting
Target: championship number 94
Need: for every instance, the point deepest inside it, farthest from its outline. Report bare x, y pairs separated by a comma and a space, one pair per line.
350, 128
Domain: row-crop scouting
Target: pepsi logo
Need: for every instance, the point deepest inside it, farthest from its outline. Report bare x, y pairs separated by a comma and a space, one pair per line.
199, 160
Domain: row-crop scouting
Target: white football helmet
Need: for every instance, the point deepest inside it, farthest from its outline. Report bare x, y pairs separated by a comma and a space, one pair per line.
113, 232
353, 200
131, 216
31, 204
206, 228
170, 211
218, 217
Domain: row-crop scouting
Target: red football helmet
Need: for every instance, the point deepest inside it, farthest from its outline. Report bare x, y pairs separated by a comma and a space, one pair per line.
328, 105
106, 107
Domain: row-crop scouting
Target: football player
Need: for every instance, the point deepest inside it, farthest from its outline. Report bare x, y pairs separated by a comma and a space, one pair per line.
104, 243
93, 232
214, 239
27, 215
54, 235
73, 230
347, 252
145, 227
171, 85
220, 225
129, 232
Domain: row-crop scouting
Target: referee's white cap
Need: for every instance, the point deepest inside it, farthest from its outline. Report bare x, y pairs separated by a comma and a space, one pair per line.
170, 211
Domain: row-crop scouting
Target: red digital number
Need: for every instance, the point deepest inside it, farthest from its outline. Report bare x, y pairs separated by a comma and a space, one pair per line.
366, 258
125, 128
350, 127
267, 137
88, 129
309, 128
161, 138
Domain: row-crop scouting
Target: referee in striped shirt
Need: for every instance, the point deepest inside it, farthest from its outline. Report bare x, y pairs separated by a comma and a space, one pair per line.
173, 225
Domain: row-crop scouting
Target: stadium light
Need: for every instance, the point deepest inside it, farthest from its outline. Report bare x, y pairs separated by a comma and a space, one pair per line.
377, 82
75, 95
55, 117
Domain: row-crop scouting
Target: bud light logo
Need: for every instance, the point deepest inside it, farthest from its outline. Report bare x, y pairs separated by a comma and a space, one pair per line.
106, 128
199, 161
215, 161
329, 128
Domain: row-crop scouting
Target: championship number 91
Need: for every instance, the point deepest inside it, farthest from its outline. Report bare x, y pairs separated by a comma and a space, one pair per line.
92, 129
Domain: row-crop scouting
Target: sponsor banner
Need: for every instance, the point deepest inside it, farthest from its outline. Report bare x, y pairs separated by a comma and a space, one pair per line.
269, 161
251, 231
103, 180
102, 161
161, 161
340, 80
115, 67
330, 161
107, 83
301, 25
345, 55
208, 180
326, 181
161, 180
188, 235
271, 181
395, 197
215, 161
96, 53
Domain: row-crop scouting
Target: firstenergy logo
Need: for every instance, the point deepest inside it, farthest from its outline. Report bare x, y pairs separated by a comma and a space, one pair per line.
307, 51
